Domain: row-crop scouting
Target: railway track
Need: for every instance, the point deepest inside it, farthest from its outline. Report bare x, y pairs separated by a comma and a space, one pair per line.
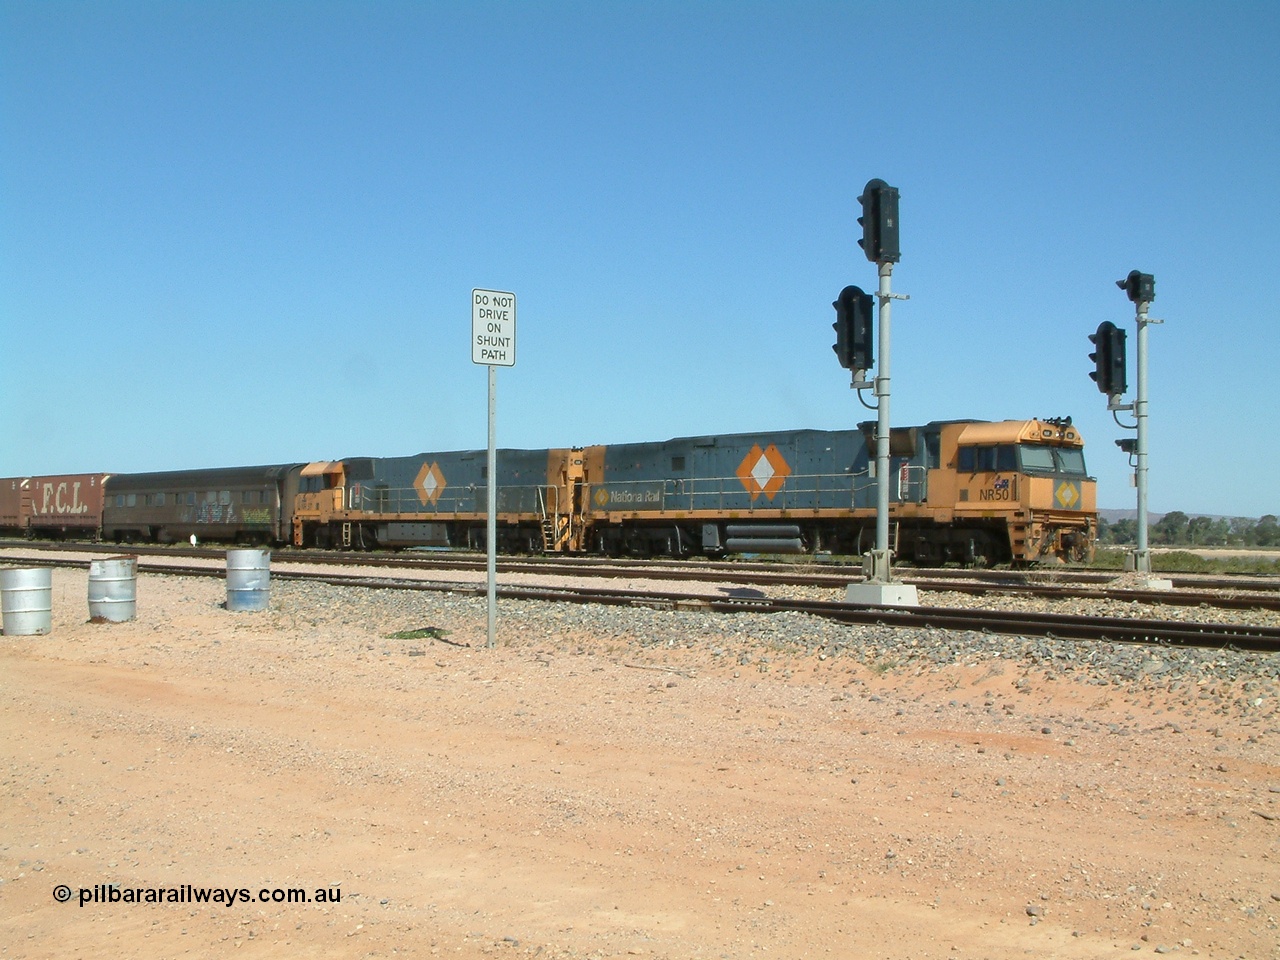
1019, 623
1225, 593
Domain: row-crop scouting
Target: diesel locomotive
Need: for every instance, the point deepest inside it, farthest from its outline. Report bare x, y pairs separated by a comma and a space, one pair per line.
974, 492
966, 491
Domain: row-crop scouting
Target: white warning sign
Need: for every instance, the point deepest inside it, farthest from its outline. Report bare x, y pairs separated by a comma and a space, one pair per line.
493, 328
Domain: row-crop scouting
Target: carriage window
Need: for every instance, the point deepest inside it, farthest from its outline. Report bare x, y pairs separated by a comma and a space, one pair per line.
119, 499
191, 499
159, 499
131, 500
246, 497
224, 497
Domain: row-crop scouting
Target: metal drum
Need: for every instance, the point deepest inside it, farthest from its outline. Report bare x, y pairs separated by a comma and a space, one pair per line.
26, 596
113, 589
248, 579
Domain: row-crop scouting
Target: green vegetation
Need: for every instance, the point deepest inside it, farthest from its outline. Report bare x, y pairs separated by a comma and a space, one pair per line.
1176, 529
422, 633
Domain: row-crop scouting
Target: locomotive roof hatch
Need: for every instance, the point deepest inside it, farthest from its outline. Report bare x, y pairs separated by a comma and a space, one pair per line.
903, 441
320, 468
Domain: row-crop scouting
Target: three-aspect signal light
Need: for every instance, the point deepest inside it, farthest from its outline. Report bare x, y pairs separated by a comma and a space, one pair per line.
853, 329
1109, 359
1139, 287
879, 222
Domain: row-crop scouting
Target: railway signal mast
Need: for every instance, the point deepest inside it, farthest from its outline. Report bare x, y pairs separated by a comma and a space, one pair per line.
1110, 375
853, 327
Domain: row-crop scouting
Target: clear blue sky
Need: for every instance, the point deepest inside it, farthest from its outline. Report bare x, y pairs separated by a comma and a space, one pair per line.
247, 232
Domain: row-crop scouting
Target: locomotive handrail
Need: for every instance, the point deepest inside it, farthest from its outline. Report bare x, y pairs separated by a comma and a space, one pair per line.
724, 493
512, 498
921, 484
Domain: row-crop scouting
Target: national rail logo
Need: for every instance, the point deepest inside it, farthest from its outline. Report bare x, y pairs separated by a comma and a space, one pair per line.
429, 483
1067, 494
763, 471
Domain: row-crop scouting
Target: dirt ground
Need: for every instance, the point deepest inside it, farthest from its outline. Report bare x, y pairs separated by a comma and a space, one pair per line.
572, 795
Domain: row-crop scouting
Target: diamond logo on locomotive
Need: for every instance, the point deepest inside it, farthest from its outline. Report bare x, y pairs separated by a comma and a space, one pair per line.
429, 483
763, 471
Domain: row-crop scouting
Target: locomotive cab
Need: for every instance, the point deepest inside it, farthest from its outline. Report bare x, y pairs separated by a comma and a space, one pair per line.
321, 489
1026, 478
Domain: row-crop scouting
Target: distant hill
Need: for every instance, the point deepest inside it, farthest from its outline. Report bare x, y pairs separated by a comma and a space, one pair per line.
1111, 516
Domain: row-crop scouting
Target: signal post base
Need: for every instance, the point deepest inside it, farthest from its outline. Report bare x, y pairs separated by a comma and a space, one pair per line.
880, 589
882, 594
1139, 562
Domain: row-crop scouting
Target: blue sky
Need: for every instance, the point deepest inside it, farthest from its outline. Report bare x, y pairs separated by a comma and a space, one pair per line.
236, 233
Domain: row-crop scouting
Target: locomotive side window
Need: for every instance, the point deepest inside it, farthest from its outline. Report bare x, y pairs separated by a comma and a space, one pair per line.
932, 451
677, 463
1002, 458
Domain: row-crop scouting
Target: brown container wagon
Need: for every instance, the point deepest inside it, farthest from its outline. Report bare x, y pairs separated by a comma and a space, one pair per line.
62, 506
11, 493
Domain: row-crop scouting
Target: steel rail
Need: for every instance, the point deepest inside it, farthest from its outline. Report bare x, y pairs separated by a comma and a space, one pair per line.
1266, 597
1017, 623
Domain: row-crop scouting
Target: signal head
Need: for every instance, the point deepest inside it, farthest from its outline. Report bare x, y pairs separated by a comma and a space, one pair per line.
1139, 287
879, 222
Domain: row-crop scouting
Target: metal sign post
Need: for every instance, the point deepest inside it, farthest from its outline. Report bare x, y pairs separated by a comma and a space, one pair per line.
493, 343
